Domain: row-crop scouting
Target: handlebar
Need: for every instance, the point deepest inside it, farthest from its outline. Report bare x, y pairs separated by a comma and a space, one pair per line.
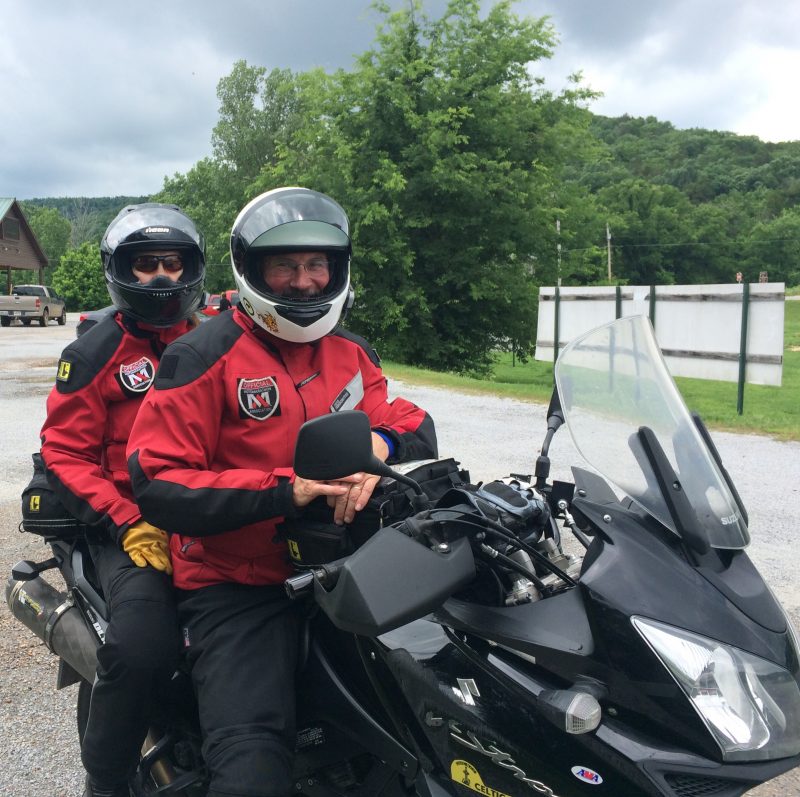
302, 584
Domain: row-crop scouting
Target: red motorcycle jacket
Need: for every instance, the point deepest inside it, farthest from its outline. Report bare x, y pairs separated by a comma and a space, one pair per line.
101, 380
211, 451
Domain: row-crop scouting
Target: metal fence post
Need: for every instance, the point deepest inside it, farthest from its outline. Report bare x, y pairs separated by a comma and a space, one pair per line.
557, 305
743, 347
653, 306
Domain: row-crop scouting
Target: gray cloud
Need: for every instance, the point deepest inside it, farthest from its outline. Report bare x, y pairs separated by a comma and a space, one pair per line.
109, 98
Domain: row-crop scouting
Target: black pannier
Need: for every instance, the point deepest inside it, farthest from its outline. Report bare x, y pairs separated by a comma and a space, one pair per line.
314, 539
42, 511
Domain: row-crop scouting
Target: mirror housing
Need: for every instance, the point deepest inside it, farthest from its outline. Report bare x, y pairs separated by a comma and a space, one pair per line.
336, 445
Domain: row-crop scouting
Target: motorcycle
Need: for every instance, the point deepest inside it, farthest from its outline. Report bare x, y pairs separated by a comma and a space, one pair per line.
606, 636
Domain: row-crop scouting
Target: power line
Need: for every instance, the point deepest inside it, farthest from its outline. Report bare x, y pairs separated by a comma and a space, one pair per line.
717, 244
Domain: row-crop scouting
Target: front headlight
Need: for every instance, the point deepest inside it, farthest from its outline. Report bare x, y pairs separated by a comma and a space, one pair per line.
751, 706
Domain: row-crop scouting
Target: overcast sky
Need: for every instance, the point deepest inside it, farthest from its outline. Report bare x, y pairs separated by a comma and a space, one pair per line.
106, 99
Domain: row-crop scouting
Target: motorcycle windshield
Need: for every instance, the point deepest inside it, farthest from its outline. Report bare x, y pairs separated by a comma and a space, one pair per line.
611, 382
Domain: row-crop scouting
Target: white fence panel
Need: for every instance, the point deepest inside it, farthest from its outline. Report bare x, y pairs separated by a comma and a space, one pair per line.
698, 327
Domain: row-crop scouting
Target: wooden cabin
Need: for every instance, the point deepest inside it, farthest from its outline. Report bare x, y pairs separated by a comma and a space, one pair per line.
19, 248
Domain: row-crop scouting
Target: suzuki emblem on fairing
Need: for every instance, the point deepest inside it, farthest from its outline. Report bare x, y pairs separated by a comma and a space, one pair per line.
587, 775
467, 690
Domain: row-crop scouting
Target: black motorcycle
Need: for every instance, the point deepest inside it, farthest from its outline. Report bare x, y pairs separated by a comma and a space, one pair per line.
467, 648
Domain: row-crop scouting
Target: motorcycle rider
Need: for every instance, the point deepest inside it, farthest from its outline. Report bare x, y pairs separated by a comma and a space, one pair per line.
233, 395
154, 262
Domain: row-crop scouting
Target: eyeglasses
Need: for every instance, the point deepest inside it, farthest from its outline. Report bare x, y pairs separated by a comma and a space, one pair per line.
149, 263
286, 267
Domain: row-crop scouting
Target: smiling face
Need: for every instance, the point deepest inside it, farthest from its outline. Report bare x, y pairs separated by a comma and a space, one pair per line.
157, 263
296, 275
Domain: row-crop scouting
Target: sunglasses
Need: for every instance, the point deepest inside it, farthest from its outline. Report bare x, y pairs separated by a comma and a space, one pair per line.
149, 263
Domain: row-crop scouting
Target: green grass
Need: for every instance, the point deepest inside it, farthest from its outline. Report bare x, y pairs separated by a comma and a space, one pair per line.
773, 411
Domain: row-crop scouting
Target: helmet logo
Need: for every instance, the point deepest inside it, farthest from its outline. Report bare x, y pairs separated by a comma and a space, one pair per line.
149, 230
248, 308
269, 321
138, 376
259, 398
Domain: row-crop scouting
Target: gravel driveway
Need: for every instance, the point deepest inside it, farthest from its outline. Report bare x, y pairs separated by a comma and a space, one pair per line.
491, 437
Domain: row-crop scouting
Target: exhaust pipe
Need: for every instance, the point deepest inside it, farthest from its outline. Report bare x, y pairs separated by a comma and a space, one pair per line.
53, 617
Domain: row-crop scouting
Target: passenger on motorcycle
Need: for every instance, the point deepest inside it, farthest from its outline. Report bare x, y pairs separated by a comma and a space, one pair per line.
211, 455
154, 262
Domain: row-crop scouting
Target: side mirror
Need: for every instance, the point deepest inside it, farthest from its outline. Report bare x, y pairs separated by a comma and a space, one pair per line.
336, 445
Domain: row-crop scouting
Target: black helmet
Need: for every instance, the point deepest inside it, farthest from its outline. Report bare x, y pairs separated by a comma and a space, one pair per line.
152, 226
292, 220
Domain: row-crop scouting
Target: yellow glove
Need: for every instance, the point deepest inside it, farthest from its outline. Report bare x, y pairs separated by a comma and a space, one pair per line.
147, 545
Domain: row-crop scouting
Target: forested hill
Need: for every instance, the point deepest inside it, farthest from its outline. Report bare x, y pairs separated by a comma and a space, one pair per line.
88, 216
685, 206
703, 164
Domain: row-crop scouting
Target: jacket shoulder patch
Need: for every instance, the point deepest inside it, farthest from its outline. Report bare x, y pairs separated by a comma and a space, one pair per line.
85, 357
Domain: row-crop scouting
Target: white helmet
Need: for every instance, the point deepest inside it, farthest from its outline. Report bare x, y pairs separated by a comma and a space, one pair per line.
292, 220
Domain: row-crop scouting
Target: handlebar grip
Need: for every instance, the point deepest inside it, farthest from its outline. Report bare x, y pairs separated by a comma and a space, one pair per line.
300, 585
303, 583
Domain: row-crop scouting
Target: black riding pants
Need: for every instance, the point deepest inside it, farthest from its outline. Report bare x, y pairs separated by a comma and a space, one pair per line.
139, 656
241, 644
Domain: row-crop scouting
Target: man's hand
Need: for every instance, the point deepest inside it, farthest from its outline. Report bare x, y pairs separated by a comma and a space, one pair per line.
147, 545
304, 491
354, 500
363, 484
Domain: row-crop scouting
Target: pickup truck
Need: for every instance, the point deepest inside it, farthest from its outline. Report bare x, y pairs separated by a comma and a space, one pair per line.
29, 302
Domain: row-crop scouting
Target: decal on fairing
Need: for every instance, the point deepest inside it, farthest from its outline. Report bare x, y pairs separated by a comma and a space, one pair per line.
463, 773
259, 398
498, 756
137, 377
586, 775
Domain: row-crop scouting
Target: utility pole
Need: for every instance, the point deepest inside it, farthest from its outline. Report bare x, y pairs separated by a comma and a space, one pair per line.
558, 250
608, 247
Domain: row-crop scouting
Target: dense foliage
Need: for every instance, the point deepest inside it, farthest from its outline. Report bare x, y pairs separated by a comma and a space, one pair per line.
468, 184
88, 216
80, 280
695, 206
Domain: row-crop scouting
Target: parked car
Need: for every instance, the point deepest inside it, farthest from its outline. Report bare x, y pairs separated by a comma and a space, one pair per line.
88, 318
212, 305
29, 302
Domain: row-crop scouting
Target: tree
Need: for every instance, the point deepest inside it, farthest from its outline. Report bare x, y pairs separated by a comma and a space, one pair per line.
52, 230
80, 280
651, 232
774, 247
256, 111
445, 153
211, 196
